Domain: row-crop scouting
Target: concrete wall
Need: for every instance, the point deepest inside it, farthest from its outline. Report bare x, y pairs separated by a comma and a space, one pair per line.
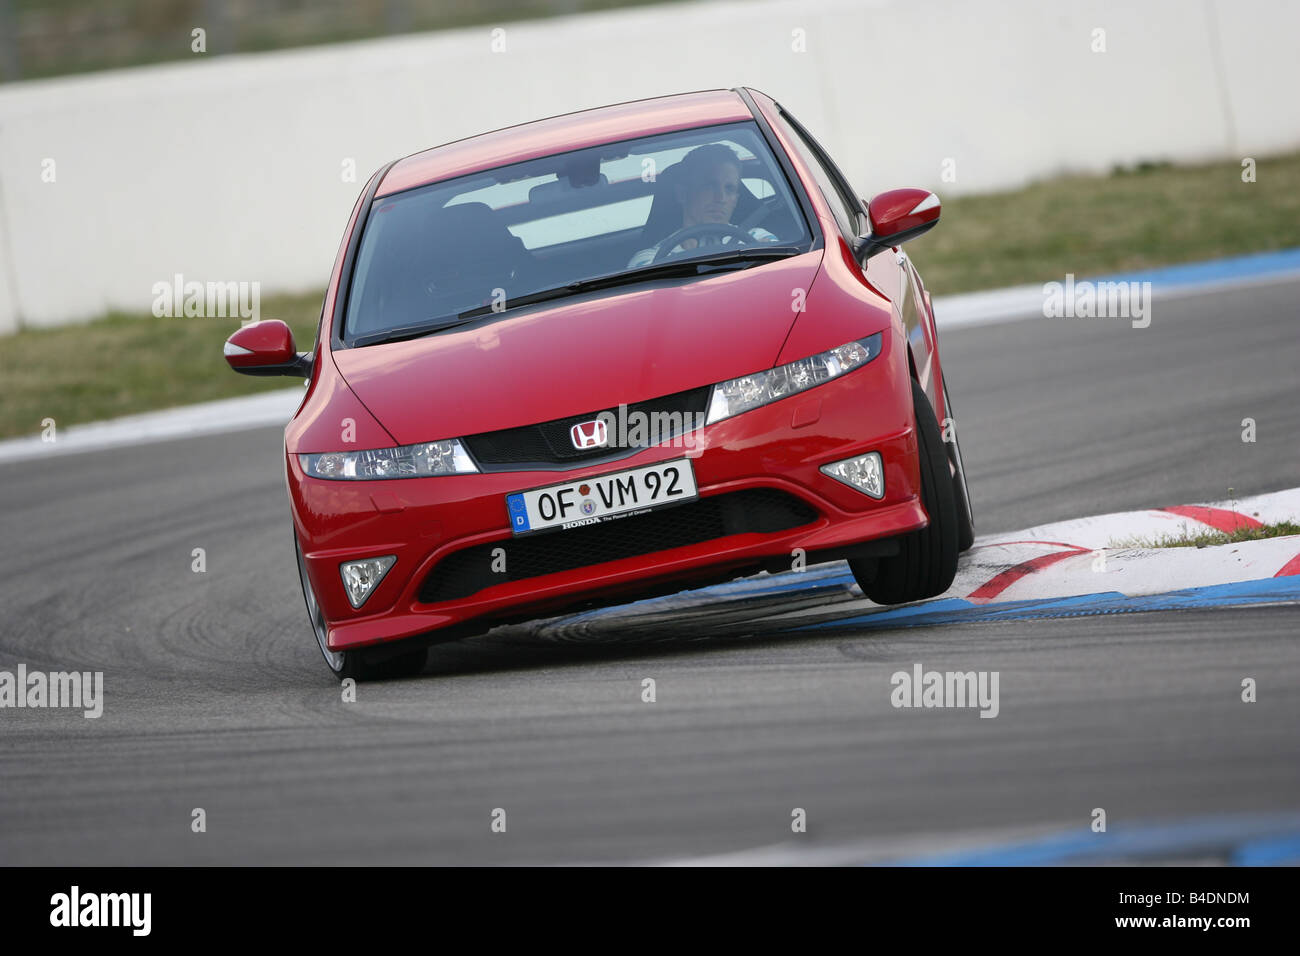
232, 169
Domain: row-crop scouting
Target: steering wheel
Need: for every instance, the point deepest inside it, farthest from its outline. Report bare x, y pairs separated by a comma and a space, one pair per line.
717, 230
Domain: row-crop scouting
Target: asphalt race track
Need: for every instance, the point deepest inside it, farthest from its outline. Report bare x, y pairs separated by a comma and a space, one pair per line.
216, 697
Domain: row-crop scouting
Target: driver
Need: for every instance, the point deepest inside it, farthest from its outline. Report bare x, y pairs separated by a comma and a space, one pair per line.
707, 193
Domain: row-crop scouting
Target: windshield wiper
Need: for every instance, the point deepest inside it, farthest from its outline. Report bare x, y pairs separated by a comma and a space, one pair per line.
404, 332
699, 265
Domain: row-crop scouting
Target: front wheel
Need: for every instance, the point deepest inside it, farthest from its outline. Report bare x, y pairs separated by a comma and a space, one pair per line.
926, 562
358, 665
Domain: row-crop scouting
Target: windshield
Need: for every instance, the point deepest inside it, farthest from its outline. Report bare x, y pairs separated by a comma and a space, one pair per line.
431, 254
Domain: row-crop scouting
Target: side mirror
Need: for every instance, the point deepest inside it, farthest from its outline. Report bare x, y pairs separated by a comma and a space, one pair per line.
266, 348
895, 217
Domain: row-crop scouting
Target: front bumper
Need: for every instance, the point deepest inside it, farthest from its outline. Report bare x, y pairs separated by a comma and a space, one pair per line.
779, 447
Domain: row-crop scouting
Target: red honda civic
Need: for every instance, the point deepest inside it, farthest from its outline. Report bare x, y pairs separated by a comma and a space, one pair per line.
605, 356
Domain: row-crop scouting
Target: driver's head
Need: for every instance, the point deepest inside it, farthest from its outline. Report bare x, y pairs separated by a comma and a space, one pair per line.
710, 185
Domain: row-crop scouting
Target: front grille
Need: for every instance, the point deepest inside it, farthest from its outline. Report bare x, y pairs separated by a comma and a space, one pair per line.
760, 510
549, 442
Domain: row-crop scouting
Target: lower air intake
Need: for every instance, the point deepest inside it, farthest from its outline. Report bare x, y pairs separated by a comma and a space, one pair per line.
761, 510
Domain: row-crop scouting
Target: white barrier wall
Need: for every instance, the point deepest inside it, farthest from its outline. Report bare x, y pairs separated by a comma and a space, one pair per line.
232, 169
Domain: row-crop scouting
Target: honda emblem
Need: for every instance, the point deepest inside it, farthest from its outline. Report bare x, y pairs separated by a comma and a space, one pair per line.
592, 434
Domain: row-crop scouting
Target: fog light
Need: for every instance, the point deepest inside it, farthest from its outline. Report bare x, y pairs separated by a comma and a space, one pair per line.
864, 473
361, 577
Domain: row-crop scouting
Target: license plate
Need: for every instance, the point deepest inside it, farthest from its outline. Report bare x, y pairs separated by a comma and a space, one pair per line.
603, 498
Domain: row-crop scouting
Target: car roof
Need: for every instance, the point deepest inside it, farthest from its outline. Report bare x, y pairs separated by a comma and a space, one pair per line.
560, 134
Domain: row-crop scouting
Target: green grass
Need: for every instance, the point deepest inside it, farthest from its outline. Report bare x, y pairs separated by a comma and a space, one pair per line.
59, 37
123, 364
1159, 215
1094, 225
1187, 538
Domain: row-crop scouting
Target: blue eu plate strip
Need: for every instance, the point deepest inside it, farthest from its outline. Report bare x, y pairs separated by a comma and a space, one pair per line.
518, 513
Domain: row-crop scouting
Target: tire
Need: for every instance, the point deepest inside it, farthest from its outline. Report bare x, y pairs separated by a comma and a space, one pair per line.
359, 665
965, 517
927, 559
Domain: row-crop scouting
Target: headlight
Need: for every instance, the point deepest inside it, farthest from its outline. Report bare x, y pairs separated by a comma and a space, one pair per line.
406, 461
751, 391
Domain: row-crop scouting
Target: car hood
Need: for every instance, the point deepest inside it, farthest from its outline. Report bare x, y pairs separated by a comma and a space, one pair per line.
576, 356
